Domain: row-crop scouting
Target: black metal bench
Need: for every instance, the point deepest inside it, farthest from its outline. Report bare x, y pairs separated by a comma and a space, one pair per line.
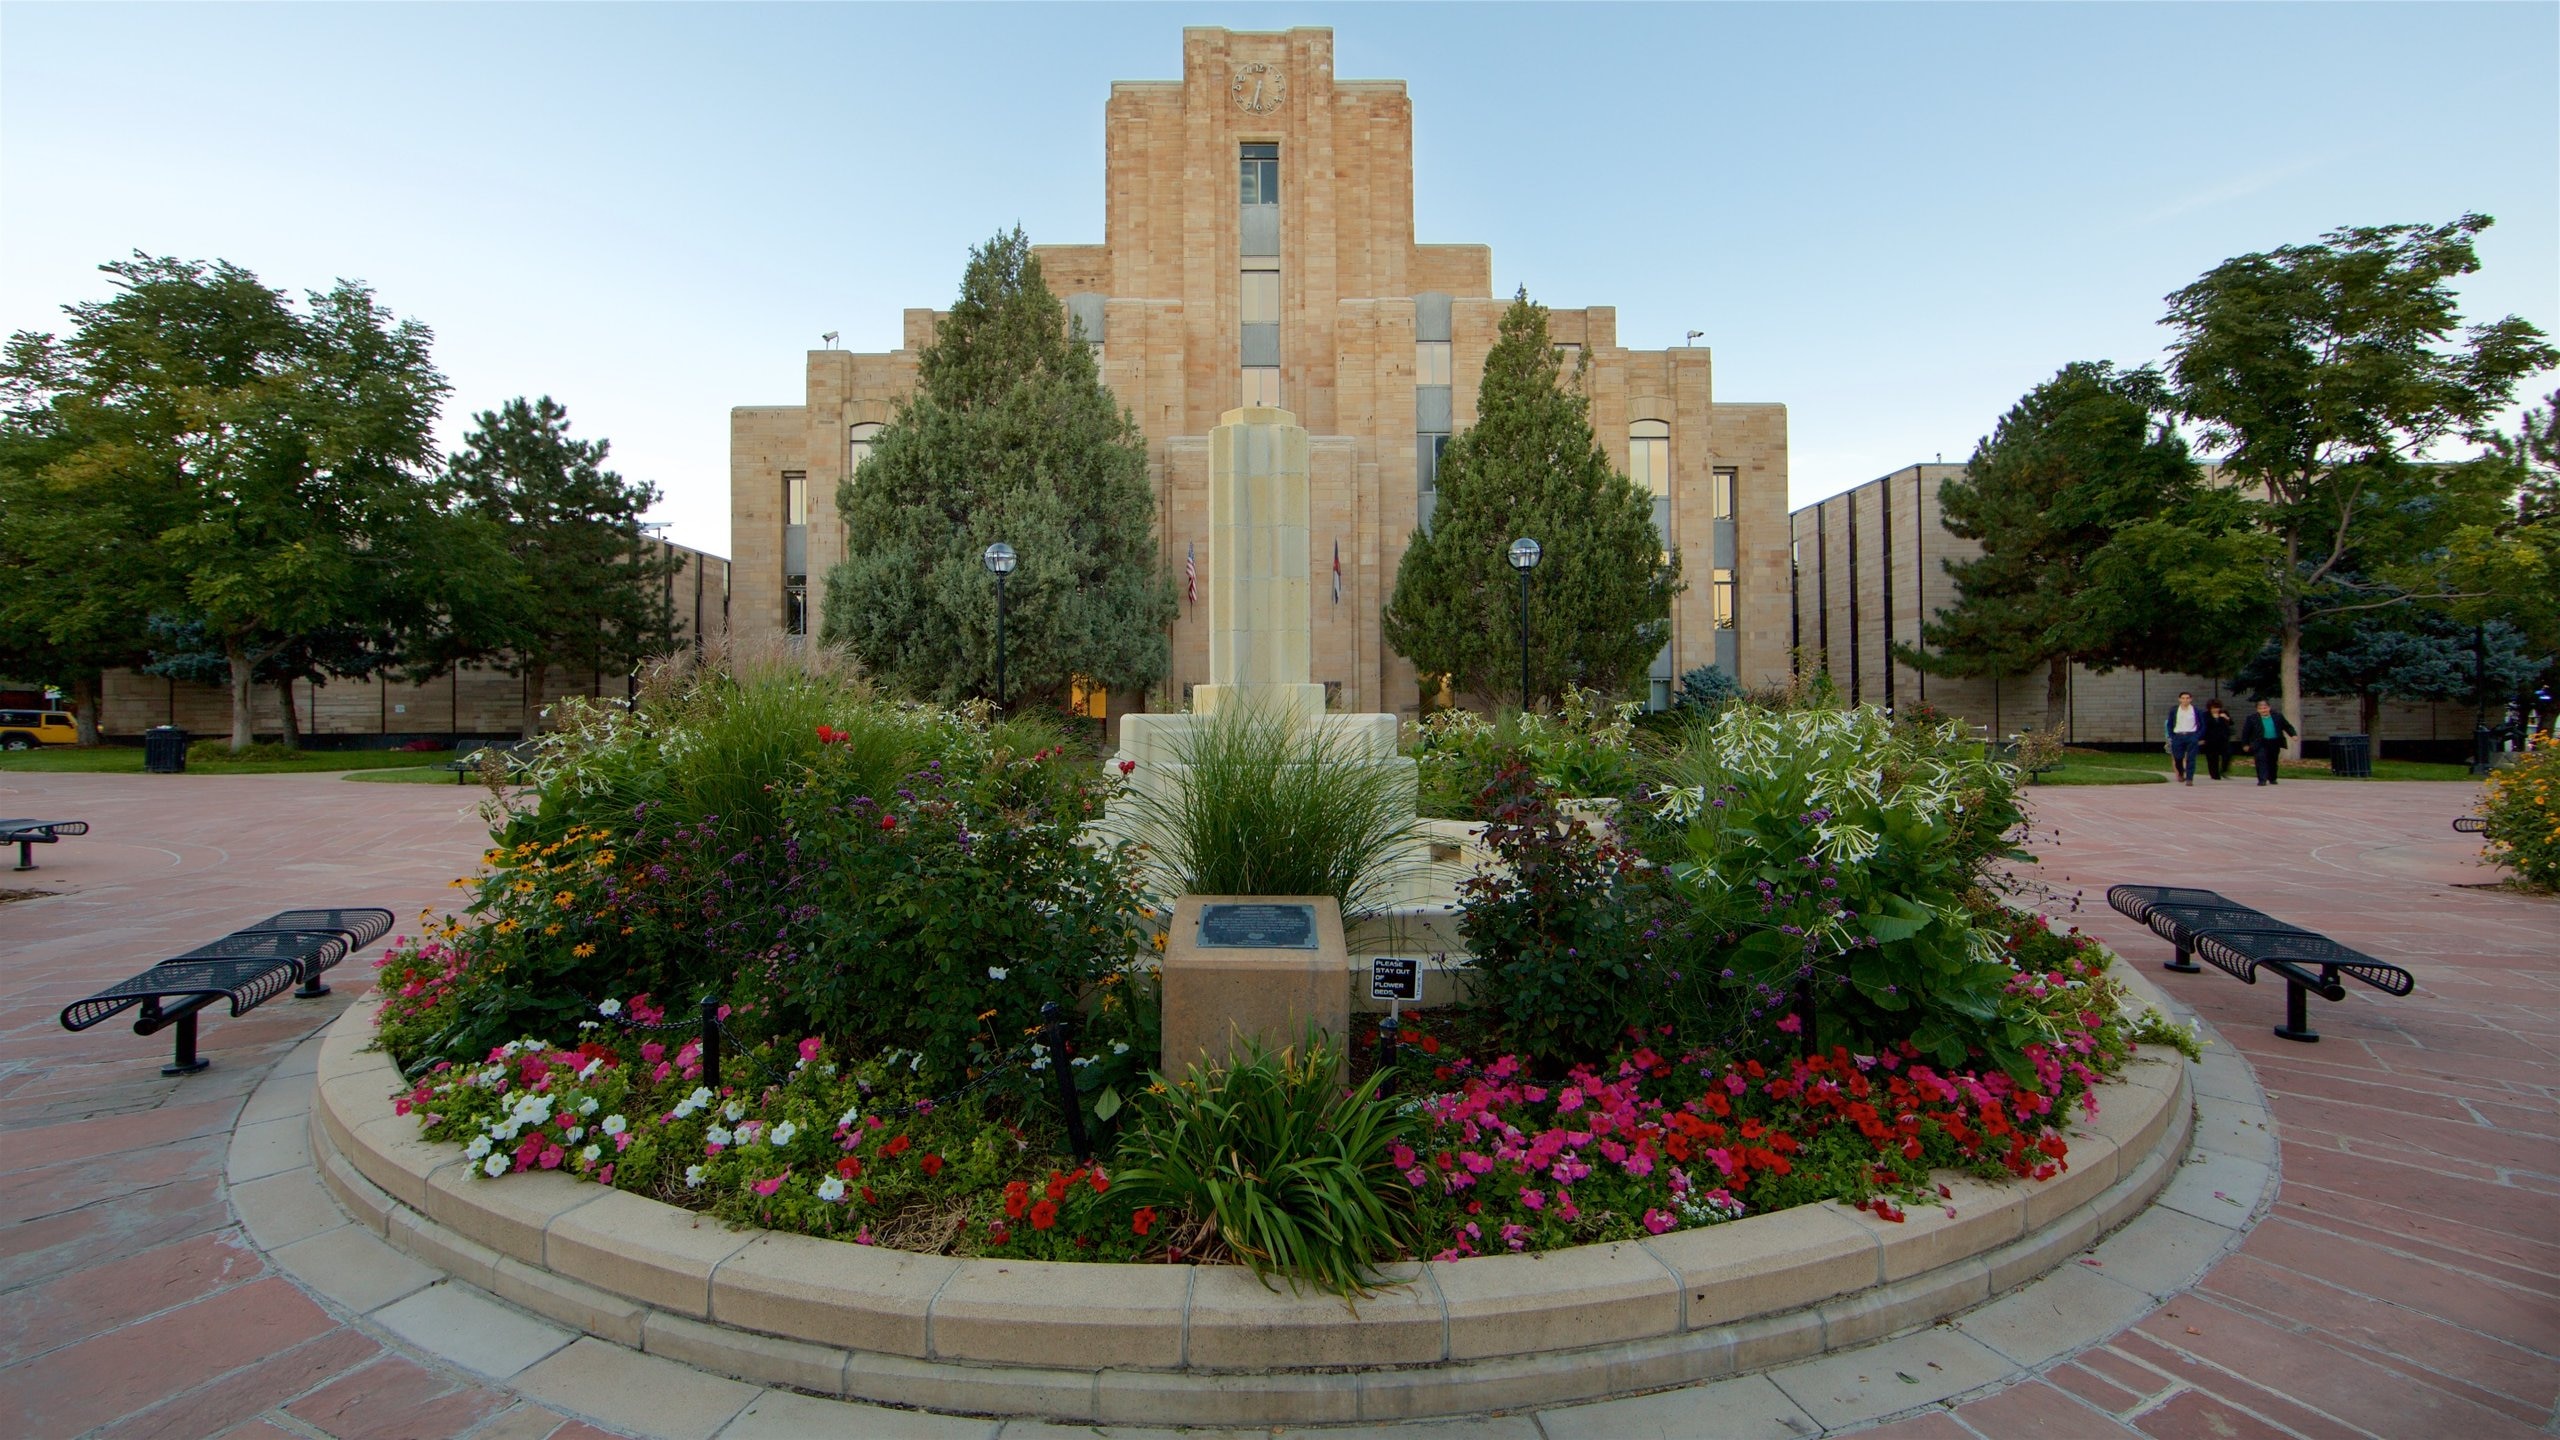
27, 834
2470, 825
246, 967
467, 766
2242, 940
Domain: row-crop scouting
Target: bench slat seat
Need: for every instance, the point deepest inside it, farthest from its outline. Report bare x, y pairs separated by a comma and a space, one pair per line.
354, 927
2239, 951
2180, 924
2470, 825
310, 953
27, 834
2135, 901
246, 981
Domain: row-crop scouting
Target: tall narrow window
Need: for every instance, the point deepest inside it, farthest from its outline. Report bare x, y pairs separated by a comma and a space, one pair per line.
1724, 476
1431, 362
1722, 596
1261, 385
795, 552
1261, 178
1427, 448
858, 449
1649, 456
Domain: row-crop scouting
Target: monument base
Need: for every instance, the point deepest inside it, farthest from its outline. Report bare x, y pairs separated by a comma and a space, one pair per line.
1237, 980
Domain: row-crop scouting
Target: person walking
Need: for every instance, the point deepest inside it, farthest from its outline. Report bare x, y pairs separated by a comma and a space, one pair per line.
2266, 732
2184, 730
2219, 730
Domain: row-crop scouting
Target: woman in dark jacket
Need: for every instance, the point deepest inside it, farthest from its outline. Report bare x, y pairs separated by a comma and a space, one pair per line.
2218, 734
2266, 732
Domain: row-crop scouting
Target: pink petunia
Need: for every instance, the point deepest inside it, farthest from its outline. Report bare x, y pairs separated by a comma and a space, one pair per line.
767, 1187
1657, 1221
1533, 1200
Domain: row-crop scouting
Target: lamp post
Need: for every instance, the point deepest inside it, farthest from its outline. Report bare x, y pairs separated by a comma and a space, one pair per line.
1524, 558
999, 561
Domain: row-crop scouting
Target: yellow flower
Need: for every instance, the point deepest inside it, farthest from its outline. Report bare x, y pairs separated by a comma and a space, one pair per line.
551, 929
583, 951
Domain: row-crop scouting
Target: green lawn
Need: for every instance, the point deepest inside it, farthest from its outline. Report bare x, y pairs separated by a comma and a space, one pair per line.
209, 758
2085, 767
410, 775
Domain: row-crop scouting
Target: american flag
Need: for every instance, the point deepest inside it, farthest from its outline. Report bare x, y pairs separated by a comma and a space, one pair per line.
1191, 573
1337, 572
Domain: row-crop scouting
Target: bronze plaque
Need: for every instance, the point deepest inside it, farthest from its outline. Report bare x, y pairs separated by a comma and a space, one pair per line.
1257, 927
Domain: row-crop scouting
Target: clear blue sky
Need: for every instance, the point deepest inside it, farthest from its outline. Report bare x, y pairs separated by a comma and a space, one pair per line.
1893, 218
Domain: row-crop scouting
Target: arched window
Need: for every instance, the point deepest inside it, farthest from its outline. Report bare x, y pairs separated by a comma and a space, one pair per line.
1649, 456
859, 449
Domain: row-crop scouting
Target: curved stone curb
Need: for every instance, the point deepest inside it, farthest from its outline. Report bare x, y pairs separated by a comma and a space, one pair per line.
1205, 1346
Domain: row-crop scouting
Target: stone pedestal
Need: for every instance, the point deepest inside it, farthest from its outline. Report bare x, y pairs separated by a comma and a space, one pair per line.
1217, 996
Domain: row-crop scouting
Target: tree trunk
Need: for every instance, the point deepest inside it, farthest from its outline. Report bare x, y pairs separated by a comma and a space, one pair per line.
85, 692
243, 733
2289, 665
2057, 692
2369, 718
292, 719
536, 675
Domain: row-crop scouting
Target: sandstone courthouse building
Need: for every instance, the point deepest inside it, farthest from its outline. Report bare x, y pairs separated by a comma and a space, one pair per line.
1258, 249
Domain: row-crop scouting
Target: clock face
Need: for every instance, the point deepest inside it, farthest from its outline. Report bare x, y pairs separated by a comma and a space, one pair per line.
1259, 88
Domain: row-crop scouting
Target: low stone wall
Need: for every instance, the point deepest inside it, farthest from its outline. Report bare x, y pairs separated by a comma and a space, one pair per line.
1174, 1344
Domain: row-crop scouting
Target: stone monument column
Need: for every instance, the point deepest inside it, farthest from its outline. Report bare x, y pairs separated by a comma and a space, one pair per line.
1259, 585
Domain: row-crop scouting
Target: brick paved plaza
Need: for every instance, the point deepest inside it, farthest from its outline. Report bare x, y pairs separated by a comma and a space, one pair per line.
2406, 1282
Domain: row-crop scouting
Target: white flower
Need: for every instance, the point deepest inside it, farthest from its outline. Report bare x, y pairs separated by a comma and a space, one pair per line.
588, 1070
614, 1125
782, 1134
851, 1114
997, 972
1119, 1047
831, 1189
495, 1166
587, 1106
693, 1176
700, 1097
478, 1148
718, 1136
590, 1153
735, 1111
610, 1007
576, 1133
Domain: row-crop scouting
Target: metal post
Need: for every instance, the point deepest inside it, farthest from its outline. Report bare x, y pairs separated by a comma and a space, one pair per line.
2480, 699
1387, 1030
2184, 962
999, 644
1053, 1025
711, 1042
186, 1062
1524, 642
2297, 1015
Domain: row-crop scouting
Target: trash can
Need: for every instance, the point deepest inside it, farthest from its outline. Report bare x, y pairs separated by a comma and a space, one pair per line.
164, 750
2351, 756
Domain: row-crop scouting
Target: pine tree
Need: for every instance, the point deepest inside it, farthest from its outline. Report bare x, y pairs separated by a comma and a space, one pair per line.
1010, 436
592, 593
2080, 457
1600, 601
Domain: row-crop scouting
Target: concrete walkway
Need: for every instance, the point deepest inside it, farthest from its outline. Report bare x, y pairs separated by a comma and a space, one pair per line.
2406, 1283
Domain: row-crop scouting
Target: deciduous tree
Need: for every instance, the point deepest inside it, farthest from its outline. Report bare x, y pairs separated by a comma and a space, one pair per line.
2323, 374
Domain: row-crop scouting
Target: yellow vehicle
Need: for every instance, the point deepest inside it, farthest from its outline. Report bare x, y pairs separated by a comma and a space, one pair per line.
27, 729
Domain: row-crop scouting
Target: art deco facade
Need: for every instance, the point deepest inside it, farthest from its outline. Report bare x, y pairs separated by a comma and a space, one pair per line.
1259, 248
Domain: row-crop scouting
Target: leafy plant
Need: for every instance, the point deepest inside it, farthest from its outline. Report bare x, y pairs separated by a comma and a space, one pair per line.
1266, 805
1562, 930
1275, 1161
1708, 688
1587, 750
2522, 806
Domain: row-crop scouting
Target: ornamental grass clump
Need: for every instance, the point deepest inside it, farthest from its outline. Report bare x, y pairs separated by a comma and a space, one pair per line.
1267, 805
1273, 1162
2522, 807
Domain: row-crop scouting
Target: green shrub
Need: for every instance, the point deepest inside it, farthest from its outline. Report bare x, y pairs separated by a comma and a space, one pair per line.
2522, 805
1562, 931
1840, 848
1268, 806
1708, 689
1586, 749
1273, 1159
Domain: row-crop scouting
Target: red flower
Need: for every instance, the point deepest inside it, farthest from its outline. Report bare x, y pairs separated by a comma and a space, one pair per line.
1430, 1044
932, 1165
1143, 1221
1044, 1215
850, 1167
1016, 1196
1057, 1186
897, 1146
888, 822
828, 735
997, 1234
1125, 767
1101, 1182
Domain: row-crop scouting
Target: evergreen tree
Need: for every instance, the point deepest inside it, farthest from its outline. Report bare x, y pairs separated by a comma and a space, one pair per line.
1010, 436
591, 592
2407, 653
1600, 602
2081, 457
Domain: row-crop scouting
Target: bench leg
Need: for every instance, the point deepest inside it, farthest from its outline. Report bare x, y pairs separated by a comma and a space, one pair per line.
311, 988
2183, 963
2297, 1016
26, 854
187, 1061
